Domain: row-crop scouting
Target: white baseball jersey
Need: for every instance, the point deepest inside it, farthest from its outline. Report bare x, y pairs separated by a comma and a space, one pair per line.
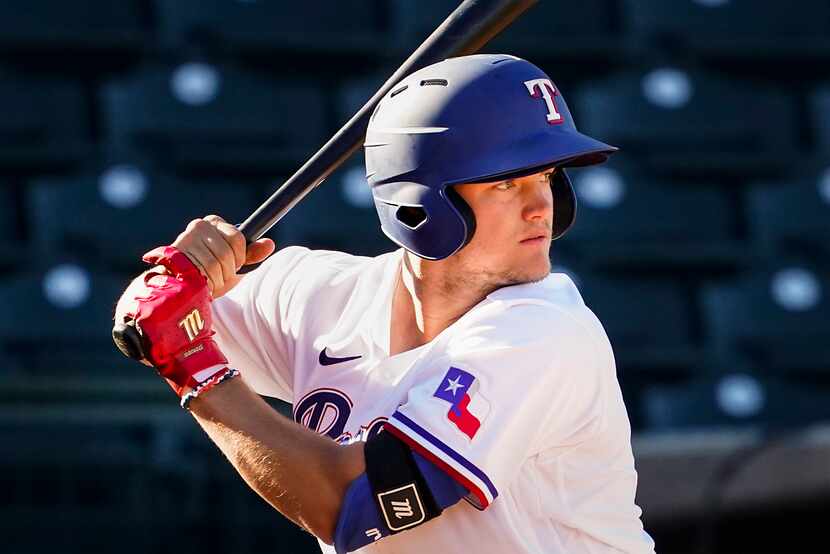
518, 400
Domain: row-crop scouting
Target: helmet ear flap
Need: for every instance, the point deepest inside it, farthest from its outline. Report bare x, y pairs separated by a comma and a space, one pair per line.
564, 206
564, 202
465, 211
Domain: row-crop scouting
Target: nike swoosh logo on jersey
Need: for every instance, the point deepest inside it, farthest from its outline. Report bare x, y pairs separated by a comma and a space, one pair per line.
325, 359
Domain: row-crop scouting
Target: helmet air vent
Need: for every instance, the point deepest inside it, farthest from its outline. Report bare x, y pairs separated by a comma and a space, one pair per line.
411, 216
428, 82
397, 91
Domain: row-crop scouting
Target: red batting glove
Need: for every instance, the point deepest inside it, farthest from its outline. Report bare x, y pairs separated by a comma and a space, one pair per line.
172, 315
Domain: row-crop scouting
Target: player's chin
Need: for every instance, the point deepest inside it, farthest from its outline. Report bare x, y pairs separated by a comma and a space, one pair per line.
531, 270
540, 273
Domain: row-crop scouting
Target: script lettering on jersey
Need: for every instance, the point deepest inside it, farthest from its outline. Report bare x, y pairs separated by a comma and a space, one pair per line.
324, 411
363, 433
545, 89
327, 411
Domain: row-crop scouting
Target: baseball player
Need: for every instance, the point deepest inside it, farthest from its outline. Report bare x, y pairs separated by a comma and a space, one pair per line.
452, 395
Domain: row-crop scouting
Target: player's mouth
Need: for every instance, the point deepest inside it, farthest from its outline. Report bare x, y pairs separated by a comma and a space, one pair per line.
535, 239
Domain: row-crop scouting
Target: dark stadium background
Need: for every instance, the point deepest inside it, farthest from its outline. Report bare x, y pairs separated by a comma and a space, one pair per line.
703, 247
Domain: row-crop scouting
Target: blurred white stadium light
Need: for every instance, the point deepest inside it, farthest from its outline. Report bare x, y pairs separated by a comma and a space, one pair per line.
123, 186
600, 187
195, 83
67, 286
355, 189
796, 289
667, 88
740, 395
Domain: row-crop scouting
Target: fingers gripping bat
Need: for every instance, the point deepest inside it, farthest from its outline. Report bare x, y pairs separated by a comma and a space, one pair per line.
465, 31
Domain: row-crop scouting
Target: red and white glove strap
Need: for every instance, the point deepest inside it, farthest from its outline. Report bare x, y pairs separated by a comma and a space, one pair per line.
224, 374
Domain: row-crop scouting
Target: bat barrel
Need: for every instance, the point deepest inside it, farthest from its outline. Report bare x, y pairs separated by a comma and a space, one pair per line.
469, 27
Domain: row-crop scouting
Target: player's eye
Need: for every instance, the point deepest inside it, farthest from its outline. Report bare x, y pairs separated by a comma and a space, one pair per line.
505, 185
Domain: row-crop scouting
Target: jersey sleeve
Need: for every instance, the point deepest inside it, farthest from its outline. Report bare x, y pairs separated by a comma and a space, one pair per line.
256, 324
530, 381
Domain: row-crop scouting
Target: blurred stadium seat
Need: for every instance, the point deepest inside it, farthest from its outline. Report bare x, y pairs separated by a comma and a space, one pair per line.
562, 29
690, 121
649, 322
71, 483
44, 122
629, 220
732, 399
776, 315
58, 320
746, 28
554, 28
9, 244
334, 26
820, 116
204, 116
337, 215
355, 92
793, 215
95, 480
123, 210
82, 24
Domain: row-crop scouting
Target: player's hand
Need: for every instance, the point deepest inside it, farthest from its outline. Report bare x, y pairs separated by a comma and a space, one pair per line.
217, 248
172, 315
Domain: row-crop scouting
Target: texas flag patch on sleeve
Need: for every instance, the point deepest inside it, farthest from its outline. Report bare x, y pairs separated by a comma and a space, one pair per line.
467, 407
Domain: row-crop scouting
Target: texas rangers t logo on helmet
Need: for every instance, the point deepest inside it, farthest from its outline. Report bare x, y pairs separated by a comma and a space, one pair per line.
545, 88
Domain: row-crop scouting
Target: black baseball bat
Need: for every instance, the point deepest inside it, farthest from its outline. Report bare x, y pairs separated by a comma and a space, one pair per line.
469, 27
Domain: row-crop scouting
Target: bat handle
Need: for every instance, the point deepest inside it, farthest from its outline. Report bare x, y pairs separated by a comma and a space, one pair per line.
248, 268
248, 240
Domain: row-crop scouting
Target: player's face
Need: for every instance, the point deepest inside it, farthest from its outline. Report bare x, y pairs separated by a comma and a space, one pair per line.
512, 240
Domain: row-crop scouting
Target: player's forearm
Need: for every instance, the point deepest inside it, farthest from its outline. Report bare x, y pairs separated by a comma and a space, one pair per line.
303, 475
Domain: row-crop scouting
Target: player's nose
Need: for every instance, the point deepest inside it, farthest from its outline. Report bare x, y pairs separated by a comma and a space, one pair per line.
538, 201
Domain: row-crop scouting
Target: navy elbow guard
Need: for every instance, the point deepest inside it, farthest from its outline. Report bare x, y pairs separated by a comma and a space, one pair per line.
400, 490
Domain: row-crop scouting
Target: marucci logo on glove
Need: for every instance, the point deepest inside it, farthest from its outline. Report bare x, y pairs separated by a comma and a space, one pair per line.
192, 324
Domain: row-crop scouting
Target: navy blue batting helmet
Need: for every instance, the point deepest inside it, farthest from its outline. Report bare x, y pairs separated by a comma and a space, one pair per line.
479, 118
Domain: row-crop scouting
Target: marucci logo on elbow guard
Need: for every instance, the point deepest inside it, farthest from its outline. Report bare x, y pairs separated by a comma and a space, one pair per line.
402, 507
